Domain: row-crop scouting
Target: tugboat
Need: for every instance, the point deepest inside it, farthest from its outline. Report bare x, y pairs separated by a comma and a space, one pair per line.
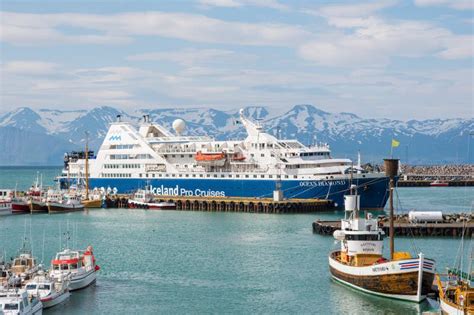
360, 263
50, 291
16, 302
144, 199
78, 265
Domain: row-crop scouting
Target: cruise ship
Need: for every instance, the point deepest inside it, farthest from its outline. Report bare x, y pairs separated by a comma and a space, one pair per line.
170, 163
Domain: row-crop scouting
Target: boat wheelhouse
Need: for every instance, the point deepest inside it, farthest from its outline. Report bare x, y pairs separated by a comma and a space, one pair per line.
79, 265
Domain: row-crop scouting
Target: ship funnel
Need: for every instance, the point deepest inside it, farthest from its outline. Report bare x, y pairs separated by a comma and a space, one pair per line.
351, 202
119, 118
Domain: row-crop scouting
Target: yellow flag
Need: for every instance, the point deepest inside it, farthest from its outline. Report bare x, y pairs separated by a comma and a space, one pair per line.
395, 143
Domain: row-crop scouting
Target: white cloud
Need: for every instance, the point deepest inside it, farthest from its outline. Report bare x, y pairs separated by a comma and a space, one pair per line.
453, 4
273, 4
29, 67
25, 28
353, 10
365, 39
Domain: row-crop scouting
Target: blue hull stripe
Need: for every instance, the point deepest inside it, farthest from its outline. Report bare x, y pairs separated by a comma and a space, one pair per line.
373, 191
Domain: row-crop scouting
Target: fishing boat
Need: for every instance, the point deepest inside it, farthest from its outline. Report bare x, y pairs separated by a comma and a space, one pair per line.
24, 265
456, 294
6, 196
439, 183
20, 205
17, 302
359, 263
50, 291
78, 265
144, 199
59, 202
37, 203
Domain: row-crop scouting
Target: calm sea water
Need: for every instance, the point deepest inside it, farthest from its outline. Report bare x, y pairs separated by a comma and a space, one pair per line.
198, 262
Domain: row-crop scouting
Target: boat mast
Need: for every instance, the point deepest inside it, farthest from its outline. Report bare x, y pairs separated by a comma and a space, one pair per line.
87, 165
391, 170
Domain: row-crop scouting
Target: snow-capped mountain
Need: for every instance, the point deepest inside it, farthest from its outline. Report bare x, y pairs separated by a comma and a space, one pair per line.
48, 133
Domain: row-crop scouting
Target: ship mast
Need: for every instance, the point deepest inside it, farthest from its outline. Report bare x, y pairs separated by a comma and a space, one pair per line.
87, 165
391, 170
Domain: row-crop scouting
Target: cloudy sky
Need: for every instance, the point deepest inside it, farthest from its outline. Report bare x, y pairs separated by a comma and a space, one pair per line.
400, 58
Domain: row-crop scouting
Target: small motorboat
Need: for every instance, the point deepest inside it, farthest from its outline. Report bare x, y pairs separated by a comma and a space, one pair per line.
78, 265
439, 183
144, 199
50, 291
17, 302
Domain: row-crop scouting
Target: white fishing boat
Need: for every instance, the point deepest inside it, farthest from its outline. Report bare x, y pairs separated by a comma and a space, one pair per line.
17, 302
6, 196
78, 265
144, 199
50, 291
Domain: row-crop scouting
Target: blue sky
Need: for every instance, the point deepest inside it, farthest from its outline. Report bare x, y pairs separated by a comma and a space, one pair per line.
408, 59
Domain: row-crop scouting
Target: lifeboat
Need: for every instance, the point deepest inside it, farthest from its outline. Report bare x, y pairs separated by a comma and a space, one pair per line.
238, 157
209, 157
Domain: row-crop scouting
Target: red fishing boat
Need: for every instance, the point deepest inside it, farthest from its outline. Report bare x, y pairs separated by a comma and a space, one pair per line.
439, 183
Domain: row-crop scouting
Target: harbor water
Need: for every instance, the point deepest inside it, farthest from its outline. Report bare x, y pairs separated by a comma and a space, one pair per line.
203, 262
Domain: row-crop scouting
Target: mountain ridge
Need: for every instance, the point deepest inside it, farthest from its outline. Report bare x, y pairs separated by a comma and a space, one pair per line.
422, 141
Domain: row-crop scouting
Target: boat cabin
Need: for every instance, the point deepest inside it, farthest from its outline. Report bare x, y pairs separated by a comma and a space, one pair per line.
67, 261
23, 263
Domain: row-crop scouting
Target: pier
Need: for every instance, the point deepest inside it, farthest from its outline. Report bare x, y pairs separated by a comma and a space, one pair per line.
426, 183
448, 229
236, 204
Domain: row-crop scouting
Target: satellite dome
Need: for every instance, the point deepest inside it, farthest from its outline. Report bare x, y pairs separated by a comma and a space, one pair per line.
179, 125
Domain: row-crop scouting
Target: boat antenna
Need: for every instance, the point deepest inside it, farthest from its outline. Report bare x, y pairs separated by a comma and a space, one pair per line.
87, 165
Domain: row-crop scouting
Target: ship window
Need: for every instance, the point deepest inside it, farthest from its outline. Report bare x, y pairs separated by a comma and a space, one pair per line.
190, 155
200, 175
180, 175
246, 176
194, 175
270, 176
252, 155
173, 175
215, 175
237, 175
153, 175
230, 175
146, 175
222, 175
294, 176
208, 175
173, 155
140, 174
64, 267
262, 176
254, 176
187, 175
182, 155
262, 155
73, 266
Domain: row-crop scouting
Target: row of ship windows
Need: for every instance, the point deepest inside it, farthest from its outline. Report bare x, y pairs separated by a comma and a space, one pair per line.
121, 165
129, 156
123, 146
215, 175
126, 175
116, 175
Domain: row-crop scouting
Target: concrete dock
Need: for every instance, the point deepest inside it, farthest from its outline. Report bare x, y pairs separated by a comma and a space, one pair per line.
451, 229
